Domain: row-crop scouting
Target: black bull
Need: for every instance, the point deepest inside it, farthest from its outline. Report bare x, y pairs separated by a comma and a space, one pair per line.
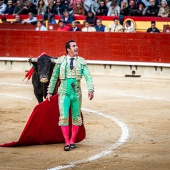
43, 69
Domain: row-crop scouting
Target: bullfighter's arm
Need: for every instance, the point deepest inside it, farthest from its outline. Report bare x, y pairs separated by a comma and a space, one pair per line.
88, 78
54, 78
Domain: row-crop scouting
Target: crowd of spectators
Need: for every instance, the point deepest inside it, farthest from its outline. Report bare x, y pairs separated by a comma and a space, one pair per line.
49, 8
99, 27
67, 9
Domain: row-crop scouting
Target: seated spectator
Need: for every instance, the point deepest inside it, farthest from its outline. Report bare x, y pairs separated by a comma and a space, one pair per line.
79, 9
73, 3
141, 9
124, 4
74, 27
10, 8
49, 10
67, 18
164, 9
116, 26
30, 7
24, 2
41, 7
67, 6
153, 9
88, 28
90, 18
59, 8
102, 10
40, 26
114, 10
62, 26
18, 8
31, 19
3, 7
131, 9
87, 4
128, 27
153, 29
100, 27
17, 19
94, 7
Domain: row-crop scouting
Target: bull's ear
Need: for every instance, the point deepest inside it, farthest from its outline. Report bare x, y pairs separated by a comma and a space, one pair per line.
34, 64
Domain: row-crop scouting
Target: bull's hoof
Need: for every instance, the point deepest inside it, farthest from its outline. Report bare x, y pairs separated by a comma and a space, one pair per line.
72, 146
67, 147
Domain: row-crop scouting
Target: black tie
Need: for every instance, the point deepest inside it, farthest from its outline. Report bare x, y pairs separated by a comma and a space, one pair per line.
71, 63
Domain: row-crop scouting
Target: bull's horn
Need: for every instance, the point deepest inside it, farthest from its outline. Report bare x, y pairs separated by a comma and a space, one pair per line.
53, 60
33, 59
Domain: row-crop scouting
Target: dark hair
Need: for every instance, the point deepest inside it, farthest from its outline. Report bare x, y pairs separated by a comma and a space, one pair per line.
152, 22
65, 11
115, 19
40, 21
68, 45
39, 3
104, 2
128, 22
3, 19
89, 11
60, 21
86, 22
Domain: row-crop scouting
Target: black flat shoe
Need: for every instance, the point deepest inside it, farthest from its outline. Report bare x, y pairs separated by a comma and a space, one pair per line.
67, 147
73, 146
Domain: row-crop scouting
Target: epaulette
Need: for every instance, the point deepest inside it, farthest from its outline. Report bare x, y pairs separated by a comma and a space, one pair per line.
82, 61
60, 59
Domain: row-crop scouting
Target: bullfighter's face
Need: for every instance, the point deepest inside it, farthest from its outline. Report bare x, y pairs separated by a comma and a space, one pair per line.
73, 50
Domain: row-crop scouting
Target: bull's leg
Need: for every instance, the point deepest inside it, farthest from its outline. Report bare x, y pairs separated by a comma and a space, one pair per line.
38, 96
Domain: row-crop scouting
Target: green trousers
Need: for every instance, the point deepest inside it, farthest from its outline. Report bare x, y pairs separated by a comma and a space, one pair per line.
70, 96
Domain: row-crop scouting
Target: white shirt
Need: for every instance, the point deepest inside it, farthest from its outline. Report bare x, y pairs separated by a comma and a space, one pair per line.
68, 60
74, 29
129, 29
34, 19
88, 29
43, 28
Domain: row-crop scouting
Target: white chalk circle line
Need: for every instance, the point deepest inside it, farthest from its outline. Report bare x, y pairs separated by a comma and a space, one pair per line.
123, 138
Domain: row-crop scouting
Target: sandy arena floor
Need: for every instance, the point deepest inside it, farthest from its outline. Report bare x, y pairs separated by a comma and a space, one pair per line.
140, 104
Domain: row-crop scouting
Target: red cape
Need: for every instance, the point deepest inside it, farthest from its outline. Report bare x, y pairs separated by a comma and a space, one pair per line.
42, 126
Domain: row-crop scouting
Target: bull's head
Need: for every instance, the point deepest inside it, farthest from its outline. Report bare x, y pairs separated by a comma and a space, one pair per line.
43, 66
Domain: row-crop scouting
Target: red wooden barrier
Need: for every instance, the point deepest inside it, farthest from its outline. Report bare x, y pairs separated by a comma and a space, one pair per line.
93, 46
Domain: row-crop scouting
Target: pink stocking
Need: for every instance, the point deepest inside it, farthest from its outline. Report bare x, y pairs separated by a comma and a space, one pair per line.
74, 133
65, 130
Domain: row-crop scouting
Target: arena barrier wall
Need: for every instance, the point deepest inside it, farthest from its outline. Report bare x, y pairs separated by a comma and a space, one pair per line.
115, 54
133, 47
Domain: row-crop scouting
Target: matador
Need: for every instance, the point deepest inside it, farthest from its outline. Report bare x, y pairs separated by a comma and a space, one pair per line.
69, 70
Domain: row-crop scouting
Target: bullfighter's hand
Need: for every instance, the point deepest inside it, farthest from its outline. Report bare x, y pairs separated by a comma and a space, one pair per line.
90, 95
48, 96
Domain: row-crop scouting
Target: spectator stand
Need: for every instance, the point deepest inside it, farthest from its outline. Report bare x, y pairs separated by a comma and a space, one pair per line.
141, 23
